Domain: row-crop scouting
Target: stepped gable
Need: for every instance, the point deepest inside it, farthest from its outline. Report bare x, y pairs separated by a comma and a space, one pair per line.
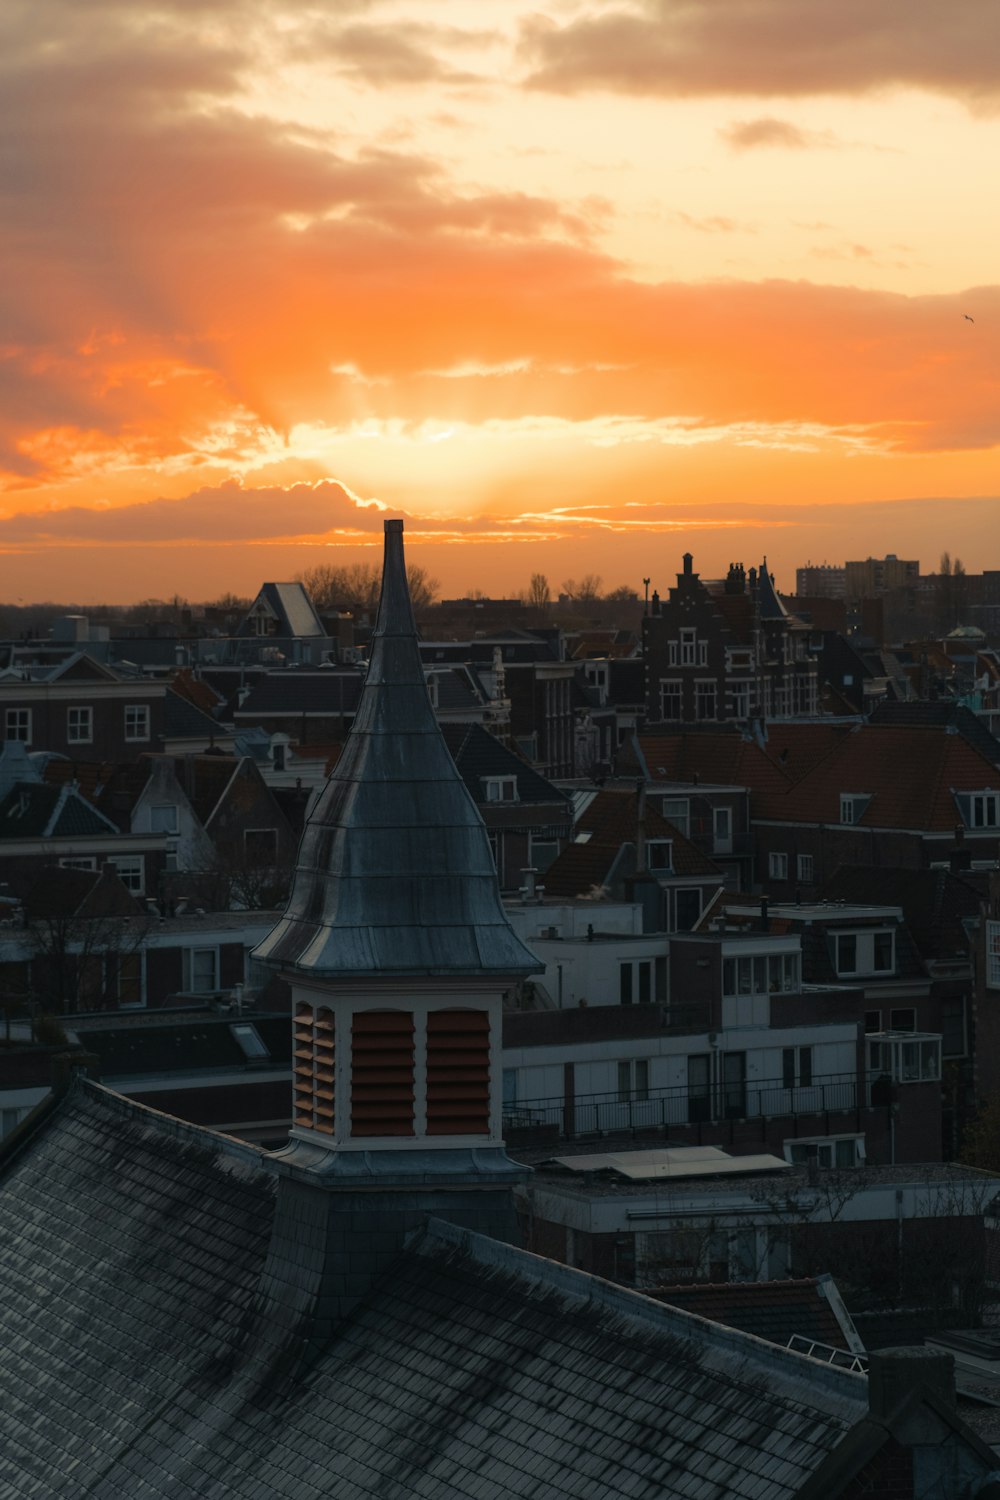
395, 873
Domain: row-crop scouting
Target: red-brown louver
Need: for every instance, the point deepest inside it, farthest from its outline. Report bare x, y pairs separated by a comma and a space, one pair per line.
314, 1068
382, 1073
458, 1072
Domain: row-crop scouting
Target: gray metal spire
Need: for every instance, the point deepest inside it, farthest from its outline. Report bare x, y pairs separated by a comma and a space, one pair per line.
395, 873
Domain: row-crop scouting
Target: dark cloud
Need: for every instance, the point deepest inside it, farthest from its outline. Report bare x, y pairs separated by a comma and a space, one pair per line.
768, 48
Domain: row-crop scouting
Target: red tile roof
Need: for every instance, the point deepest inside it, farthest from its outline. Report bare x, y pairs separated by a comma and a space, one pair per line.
611, 819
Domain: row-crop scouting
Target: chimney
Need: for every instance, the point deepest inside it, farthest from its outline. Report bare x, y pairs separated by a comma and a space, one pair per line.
640, 827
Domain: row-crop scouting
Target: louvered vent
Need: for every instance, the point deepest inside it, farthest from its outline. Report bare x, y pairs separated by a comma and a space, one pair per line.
314, 1068
458, 1072
382, 1073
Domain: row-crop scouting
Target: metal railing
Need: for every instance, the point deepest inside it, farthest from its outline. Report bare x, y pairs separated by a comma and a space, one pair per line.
597, 1114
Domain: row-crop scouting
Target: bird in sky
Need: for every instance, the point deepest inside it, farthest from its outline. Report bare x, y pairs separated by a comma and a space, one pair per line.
967, 318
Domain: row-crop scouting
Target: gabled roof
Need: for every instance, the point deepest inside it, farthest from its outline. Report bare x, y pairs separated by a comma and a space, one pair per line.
395, 873
134, 1359
480, 755
720, 759
935, 903
290, 607
184, 720
910, 774
946, 713
36, 810
610, 824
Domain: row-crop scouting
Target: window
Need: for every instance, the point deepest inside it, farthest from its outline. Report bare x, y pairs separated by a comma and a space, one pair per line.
128, 979
705, 698
131, 872
993, 955
278, 753
248, 1038
633, 1081
634, 982
670, 698
17, 725
903, 1020
871, 951
953, 1027
771, 973
734, 1084
500, 788
542, 852
699, 1095
689, 640
804, 868
659, 854
676, 810
873, 1020
79, 725
79, 862
853, 805
901, 1059
722, 830
777, 866
979, 809
163, 818
796, 1067
203, 967
687, 908
137, 721
261, 845
828, 1151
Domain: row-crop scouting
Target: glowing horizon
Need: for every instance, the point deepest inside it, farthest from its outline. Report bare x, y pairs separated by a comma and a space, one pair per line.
573, 290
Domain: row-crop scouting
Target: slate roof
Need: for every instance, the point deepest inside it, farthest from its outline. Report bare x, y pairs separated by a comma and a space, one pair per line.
772, 1310
183, 719
479, 754
611, 819
171, 1044
136, 1359
395, 872
37, 810
292, 609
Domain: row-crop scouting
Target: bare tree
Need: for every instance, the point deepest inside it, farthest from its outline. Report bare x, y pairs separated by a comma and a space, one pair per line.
539, 596
587, 591
359, 584
84, 944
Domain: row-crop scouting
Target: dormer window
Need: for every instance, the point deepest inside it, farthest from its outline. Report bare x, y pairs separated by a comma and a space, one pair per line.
869, 951
853, 806
979, 809
500, 788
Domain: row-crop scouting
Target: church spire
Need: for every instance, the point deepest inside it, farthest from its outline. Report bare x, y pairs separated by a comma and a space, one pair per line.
395, 874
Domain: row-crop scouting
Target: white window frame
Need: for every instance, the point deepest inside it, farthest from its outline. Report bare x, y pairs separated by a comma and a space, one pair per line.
980, 809
17, 725
853, 806
677, 812
993, 955
701, 687
131, 872
777, 865
805, 867
195, 986
500, 788
864, 950
137, 730
660, 855
688, 646
79, 862
826, 1150
536, 840
80, 731
633, 1080
671, 687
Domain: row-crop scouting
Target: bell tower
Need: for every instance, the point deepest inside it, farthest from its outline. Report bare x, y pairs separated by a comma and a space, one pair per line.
398, 952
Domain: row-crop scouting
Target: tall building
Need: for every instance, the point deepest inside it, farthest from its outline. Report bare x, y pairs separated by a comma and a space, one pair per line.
879, 575
820, 581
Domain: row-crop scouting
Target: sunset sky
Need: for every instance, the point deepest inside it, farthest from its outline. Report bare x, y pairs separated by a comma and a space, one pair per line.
573, 287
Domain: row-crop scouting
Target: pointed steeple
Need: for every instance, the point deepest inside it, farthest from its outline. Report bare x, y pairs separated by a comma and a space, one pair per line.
769, 605
395, 875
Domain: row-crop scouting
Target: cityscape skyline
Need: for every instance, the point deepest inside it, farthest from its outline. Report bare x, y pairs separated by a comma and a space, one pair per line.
563, 290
